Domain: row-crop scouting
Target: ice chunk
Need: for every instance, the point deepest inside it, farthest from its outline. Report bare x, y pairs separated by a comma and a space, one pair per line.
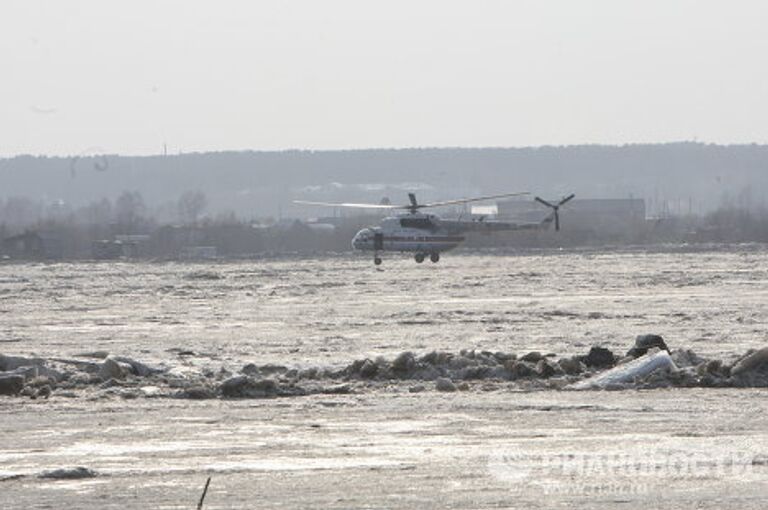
628, 372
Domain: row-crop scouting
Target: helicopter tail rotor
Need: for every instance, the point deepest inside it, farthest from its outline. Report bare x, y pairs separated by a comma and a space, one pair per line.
555, 207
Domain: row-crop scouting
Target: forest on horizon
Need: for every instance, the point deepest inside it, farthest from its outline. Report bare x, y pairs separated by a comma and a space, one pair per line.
672, 178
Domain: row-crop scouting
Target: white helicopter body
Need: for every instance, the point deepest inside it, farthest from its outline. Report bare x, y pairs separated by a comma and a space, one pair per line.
417, 233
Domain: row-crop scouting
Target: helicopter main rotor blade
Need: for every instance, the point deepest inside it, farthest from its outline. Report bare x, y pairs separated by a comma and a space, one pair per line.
346, 204
476, 199
413, 206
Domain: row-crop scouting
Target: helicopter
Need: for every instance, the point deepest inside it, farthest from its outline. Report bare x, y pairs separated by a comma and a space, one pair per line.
428, 235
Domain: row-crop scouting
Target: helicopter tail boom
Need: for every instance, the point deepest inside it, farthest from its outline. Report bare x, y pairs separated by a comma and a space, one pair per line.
480, 225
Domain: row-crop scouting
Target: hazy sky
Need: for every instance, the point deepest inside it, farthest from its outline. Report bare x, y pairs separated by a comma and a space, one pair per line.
127, 77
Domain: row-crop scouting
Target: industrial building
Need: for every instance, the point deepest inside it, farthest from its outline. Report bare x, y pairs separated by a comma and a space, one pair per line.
32, 245
604, 216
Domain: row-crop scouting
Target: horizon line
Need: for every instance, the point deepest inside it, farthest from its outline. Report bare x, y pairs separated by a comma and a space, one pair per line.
93, 152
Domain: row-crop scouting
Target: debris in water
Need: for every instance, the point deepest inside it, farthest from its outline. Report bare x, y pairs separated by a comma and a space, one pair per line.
753, 361
68, 473
545, 369
203, 275
644, 343
11, 384
205, 491
571, 366
121, 377
444, 384
599, 357
114, 369
8, 363
532, 357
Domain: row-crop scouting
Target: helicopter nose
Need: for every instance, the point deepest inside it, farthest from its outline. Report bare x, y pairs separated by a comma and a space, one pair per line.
357, 241
360, 239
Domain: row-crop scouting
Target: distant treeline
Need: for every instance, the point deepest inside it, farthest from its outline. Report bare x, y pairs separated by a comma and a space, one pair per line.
127, 227
675, 178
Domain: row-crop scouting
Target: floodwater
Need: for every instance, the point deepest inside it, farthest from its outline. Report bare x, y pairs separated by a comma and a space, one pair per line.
489, 447
332, 310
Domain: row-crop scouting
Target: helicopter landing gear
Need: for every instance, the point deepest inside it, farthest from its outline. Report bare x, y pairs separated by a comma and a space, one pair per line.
419, 257
434, 257
377, 260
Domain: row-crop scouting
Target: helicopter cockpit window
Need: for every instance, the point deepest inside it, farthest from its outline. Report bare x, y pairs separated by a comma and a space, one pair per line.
365, 234
424, 223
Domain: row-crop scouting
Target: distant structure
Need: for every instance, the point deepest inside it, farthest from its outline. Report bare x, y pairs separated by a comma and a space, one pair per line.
105, 249
198, 253
32, 245
609, 216
133, 245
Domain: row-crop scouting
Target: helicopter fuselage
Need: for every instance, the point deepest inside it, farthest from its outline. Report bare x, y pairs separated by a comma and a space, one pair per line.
414, 233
